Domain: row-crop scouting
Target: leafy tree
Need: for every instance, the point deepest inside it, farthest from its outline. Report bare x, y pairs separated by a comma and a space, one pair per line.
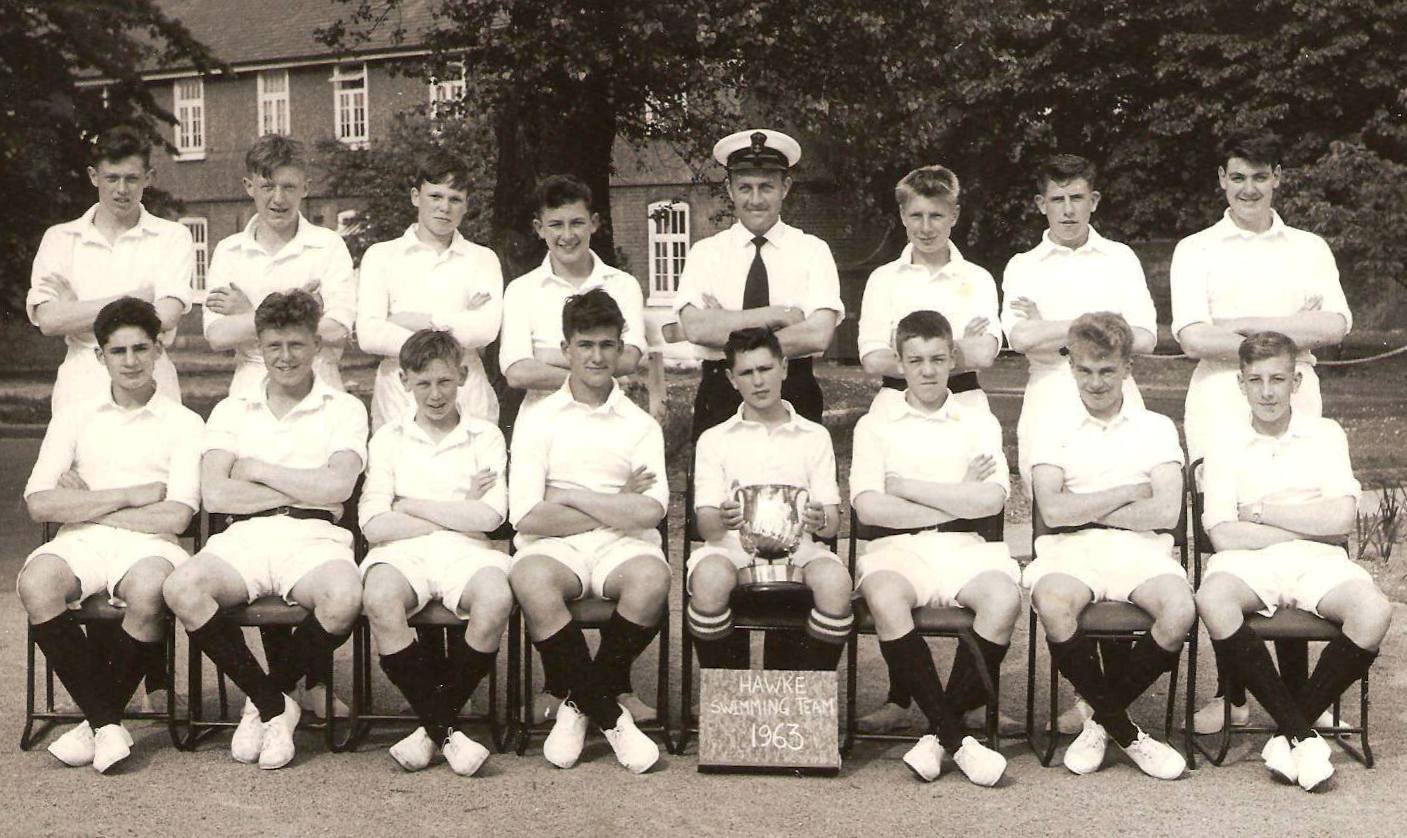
47, 120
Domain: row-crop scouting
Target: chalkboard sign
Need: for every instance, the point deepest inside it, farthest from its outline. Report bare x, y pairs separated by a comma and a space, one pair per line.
768, 720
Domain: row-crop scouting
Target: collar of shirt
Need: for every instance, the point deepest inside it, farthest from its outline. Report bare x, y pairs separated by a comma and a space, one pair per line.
1127, 413
244, 240
1095, 243
1228, 229
458, 245
259, 397
87, 231
1301, 427
956, 263
896, 409
461, 434
154, 406
562, 399
777, 236
736, 421
600, 272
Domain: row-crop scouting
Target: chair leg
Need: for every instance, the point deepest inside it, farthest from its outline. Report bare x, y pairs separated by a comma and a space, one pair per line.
525, 728
852, 655
513, 711
172, 724
1188, 744
662, 686
1031, 738
1363, 723
1052, 718
1171, 710
686, 690
27, 737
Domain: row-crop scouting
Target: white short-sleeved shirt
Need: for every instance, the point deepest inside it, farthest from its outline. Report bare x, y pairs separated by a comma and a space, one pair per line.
960, 291
405, 463
314, 253
1064, 282
112, 447
407, 275
1309, 462
74, 258
740, 452
324, 422
1225, 271
899, 439
800, 272
532, 308
564, 443
1123, 451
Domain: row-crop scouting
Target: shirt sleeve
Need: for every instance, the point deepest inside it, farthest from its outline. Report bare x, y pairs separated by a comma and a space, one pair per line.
183, 469
48, 278
222, 429
985, 305
1324, 280
1013, 286
1137, 304
348, 430
220, 274
649, 452
694, 280
820, 470
477, 327
1046, 449
874, 331
823, 282
867, 467
339, 284
516, 340
1166, 448
376, 334
56, 454
988, 440
1218, 485
1187, 279
710, 478
379, 488
493, 455
632, 306
1336, 470
177, 266
527, 468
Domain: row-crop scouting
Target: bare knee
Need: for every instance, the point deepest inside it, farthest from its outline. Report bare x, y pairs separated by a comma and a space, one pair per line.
490, 599
646, 584
534, 584
44, 586
184, 590
1370, 619
1054, 600
830, 585
711, 584
1000, 600
339, 606
383, 603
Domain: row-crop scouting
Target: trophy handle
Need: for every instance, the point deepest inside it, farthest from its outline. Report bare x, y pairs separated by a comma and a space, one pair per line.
802, 498
738, 494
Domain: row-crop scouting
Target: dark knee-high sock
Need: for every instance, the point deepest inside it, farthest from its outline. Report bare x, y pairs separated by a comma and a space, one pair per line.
1340, 664
223, 642
1292, 659
825, 639
898, 692
154, 667
1114, 657
622, 641
1146, 663
80, 668
566, 654
970, 686
1078, 660
413, 672
130, 662
278, 652
1254, 669
910, 659
714, 638
1228, 683
785, 650
465, 668
310, 645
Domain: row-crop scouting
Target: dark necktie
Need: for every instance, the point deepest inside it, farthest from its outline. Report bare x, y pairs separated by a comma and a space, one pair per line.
756, 294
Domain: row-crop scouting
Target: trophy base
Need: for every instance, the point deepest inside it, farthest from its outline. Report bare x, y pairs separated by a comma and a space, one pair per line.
771, 576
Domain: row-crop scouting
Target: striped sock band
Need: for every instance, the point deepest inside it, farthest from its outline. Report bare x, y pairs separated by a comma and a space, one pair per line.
828, 629
710, 626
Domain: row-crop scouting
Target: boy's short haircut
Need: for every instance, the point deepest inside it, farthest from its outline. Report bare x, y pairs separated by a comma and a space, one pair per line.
746, 340
935, 182
288, 310
119, 143
1063, 168
429, 345
1261, 346
126, 311
922, 324
442, 167
556, 191
272, 152
595, 309
1256, 149
1101, 334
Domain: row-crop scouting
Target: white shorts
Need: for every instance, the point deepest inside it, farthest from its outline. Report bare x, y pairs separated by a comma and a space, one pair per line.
100, 555
937, 564
593, 555
808, 551
1214, 400
437, 566
1111, 563
1292, 574
274, 552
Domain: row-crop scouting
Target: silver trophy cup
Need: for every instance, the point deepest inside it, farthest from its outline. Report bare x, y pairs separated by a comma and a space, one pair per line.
770, 534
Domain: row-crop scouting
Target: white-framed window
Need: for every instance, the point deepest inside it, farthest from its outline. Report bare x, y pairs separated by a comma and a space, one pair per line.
349, 103
273, 102
448, 90
189, 106
669, 245
200, 234
347, 223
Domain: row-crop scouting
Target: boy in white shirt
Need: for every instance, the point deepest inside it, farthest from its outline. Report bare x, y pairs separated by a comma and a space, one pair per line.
924, 465
1277, 492
121, 474
1105, 487
280, 460
765, 442
435, 485
587, 489
430, 278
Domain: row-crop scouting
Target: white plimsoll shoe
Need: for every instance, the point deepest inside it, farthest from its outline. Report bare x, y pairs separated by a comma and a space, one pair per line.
248, 737
314, 700
545, 706
1210, 717
1312, 765
640, 712
634, 750
75, 747
464, 755
111, 745
1154, 758
1086, 754
563, 745
925, 758
1326, 720
414, 752
980, 764
1073, 720
278, 736
1279, 759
